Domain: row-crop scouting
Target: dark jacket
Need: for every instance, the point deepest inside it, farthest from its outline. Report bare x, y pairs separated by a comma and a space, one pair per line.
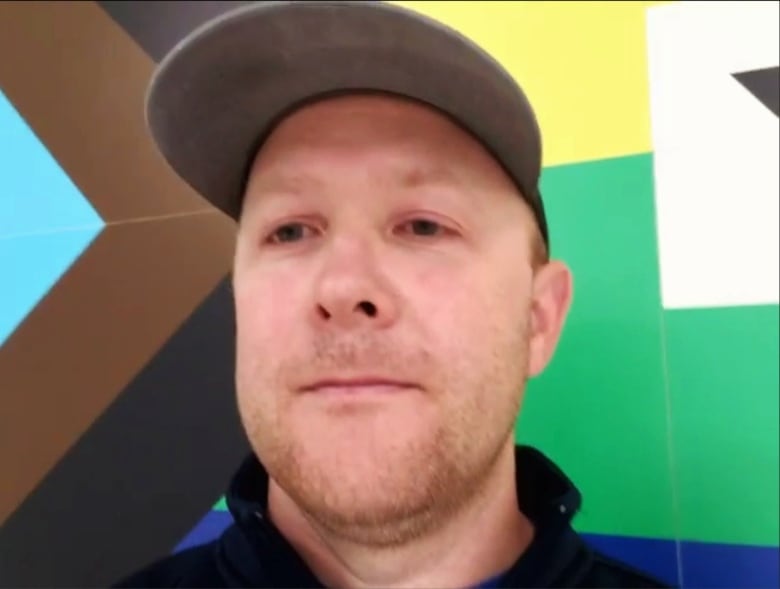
251, 552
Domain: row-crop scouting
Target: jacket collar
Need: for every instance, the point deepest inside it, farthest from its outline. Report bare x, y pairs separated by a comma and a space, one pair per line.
253, 550
543, 489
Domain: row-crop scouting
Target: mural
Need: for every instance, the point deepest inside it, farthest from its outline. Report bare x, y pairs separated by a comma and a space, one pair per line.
118, 430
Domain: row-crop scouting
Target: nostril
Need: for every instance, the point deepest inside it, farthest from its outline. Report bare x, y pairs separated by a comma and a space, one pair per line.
323, 312
368, 308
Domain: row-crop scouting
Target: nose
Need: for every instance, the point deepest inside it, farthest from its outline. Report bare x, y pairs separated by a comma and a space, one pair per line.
350, 291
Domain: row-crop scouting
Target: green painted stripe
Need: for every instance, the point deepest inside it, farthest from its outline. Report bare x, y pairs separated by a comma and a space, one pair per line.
600, 407
723, 370
220, 505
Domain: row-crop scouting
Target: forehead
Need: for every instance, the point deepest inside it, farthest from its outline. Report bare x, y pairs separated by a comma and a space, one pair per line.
374, 133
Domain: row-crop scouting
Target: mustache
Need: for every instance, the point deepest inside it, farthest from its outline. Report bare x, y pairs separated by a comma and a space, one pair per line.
359, 351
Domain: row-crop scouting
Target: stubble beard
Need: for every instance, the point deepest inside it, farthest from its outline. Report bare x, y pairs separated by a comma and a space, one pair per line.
413, 487
408, 496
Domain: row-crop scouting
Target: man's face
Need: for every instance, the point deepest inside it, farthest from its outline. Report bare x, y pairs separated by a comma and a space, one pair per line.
380, 241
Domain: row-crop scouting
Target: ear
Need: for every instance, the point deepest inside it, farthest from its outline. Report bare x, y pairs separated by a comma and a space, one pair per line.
551, 300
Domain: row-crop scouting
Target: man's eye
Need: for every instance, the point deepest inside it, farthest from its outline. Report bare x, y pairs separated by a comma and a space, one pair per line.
423, 227
289, 232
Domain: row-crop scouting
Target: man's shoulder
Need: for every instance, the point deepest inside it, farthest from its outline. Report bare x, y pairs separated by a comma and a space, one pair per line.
606, 572
191, 567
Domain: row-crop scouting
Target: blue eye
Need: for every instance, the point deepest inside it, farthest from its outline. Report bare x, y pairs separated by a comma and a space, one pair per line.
289, 232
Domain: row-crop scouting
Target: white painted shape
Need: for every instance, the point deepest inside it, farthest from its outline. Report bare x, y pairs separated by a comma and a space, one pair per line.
716, 152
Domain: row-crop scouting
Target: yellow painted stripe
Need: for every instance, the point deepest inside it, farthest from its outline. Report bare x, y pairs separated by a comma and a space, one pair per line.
582, 64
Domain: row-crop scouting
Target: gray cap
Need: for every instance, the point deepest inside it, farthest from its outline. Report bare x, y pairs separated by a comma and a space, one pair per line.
220, 91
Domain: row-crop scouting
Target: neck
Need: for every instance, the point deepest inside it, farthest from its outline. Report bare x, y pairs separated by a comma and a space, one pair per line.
484, 538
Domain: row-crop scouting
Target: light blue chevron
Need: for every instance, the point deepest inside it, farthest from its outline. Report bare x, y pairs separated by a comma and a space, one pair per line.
45, 221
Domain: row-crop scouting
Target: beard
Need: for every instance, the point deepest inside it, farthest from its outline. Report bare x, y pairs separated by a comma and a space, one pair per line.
383, 474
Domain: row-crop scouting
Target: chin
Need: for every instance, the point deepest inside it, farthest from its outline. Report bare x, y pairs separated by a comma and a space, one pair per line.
357, 456
363, 447
356, 496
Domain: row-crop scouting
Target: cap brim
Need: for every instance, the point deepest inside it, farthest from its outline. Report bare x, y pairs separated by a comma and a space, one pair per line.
219, 92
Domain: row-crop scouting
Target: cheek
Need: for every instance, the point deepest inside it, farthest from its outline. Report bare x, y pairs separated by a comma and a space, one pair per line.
471, 300
265, 324
476, 320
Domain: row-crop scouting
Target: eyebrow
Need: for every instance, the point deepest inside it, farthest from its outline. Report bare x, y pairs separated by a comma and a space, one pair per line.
286, 182
419, 176
299, 182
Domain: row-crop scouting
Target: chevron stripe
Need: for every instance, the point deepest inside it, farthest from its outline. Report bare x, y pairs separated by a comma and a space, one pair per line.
658, 403
78, 351
148, 466
36, 199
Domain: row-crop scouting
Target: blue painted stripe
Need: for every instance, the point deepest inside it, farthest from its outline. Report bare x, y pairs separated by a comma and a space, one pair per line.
716, 566
207, 529
30, 266
652, 556
36, 195
45, 222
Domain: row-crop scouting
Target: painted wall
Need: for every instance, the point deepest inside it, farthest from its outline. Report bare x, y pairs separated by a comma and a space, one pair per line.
118, 430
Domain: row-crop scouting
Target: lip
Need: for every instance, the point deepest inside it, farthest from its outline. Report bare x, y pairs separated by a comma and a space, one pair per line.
357, 385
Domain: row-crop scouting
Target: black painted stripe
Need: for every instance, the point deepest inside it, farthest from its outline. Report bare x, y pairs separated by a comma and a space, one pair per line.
764, 84
144, 473
158, 26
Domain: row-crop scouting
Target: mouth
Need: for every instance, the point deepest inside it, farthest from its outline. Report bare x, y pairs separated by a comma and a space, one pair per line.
358, 385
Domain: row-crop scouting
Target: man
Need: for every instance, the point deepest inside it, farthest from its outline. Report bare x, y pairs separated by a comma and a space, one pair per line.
393, 293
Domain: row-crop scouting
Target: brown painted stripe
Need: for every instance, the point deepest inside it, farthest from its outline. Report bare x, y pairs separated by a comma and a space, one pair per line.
79, 80
133, 486
115, 398
94, 331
